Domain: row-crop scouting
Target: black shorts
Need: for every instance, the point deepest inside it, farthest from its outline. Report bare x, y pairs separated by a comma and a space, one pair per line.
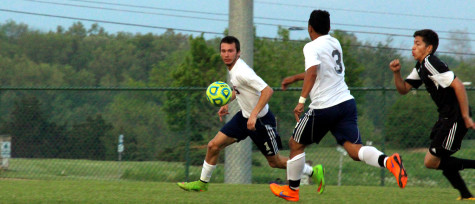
446, 136
265, 136
340, 120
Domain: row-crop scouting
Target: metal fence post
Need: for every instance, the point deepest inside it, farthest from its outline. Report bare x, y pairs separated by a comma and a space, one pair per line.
238, 157
187, 148
383, 104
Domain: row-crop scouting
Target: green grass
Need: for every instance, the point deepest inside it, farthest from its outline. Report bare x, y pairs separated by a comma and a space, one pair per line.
352, 173
82, 191
86, 181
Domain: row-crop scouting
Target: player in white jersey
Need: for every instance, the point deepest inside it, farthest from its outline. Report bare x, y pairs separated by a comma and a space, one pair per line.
254, 119
332, 108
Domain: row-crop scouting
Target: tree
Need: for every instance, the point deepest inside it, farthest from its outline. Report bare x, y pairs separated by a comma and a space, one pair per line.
410, 120
353, 68
87, 139
32, 135
140, 119
459, 43
202, 66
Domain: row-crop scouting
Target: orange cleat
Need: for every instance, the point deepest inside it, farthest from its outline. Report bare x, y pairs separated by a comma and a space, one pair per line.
394, 165
471, 198
284, 192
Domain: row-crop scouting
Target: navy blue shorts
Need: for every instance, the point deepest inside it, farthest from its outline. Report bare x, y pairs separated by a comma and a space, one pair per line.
265, 136
340, 120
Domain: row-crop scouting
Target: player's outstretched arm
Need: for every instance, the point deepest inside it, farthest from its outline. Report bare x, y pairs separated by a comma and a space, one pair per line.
401, 86
309, 78
266, 94
462, 98
291, 79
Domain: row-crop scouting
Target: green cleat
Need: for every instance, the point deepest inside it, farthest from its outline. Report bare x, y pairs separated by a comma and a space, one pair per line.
193, 186
318, 178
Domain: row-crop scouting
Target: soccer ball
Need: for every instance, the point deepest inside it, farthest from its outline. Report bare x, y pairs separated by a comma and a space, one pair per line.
219, 93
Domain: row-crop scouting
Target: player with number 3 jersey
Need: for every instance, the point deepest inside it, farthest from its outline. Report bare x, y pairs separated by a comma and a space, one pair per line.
332, 108
329, 88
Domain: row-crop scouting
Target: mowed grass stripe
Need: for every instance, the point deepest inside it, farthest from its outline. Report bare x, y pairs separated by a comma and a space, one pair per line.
67, 191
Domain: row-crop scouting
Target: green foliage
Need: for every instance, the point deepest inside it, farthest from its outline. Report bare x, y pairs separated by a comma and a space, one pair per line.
33, 136
139, 119
353, 69
202, 65
87, 139
179, 152
152, 121
410, 120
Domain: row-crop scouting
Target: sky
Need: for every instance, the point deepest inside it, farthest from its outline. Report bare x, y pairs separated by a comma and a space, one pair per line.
372, 21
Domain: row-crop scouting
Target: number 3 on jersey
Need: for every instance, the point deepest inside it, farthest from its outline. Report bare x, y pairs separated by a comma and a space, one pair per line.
337, 57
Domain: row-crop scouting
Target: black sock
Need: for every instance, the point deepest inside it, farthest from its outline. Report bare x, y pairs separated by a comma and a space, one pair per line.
468, 164
454, 163
294, 185
381, 160
457, 182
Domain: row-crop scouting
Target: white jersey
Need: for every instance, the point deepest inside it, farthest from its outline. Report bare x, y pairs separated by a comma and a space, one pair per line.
330, 88
248, 87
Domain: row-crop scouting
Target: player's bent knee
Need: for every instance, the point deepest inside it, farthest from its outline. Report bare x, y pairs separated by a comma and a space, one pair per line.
277, 164
212, 146
272, 164
430, 165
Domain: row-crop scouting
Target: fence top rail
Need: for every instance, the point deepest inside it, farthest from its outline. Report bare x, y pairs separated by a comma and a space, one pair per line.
44, 88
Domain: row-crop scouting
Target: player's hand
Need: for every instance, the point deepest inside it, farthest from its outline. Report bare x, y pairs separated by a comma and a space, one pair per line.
286, 81
395, 65
222, 112
251, 123
469, 123
298, 110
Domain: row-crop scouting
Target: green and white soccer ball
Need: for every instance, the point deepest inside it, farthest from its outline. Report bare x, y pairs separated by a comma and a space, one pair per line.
219, 93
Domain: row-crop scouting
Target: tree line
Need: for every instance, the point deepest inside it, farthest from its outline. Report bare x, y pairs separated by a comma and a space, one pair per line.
158, 124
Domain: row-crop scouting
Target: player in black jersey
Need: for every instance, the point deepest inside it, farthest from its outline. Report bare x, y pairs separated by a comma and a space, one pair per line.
448, 93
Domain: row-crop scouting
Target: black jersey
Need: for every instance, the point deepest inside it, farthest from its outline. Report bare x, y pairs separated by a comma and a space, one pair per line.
437, 78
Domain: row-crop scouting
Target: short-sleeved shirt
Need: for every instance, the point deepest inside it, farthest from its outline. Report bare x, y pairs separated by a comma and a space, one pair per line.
330, 88
436, 77
248, 87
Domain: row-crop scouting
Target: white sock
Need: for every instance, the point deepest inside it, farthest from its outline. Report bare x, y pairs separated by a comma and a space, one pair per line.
307, 170
295, 167
370, 155
207, 171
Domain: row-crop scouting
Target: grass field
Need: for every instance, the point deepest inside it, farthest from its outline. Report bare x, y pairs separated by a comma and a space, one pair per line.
88, 181
43, 191
351, 173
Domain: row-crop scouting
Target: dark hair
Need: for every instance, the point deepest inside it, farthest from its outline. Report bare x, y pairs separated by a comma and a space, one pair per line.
231, 40
429, 37
320, 21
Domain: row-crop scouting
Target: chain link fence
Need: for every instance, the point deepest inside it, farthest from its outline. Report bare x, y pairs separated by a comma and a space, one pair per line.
161, 134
